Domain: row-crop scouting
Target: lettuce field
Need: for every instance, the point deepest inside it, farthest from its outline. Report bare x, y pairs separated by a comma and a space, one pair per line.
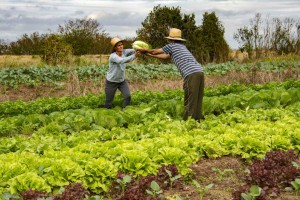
69, 148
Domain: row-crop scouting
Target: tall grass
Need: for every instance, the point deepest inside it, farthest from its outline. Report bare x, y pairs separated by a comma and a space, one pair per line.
86, 60
35, 60
20, 60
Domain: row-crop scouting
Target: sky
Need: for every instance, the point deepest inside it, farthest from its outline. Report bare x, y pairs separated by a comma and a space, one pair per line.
123, 17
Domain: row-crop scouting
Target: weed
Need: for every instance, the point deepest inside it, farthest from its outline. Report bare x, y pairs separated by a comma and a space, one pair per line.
155, 189
172, 178
296, 186
255, 191
222, 173
202, 190
123, 183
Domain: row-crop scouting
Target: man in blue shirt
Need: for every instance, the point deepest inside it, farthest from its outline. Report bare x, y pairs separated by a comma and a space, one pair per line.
189, 68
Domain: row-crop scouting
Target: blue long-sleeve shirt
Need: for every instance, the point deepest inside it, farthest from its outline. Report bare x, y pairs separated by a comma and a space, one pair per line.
116, 70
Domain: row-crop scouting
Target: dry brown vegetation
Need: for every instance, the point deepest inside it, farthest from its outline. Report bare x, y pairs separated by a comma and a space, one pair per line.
35, 60
16, 61
75, 87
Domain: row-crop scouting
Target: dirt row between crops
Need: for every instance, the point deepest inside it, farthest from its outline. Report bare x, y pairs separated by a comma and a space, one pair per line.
232, 172
73, 87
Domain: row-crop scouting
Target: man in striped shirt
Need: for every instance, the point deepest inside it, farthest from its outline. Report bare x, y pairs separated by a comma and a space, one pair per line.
189, 68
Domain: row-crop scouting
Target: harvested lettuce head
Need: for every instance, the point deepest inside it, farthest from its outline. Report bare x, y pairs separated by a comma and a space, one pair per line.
140, 44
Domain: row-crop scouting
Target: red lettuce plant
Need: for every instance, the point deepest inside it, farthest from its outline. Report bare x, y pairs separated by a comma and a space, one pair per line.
272, 174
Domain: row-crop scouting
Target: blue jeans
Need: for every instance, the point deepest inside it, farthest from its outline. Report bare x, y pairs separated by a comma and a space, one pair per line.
110, 91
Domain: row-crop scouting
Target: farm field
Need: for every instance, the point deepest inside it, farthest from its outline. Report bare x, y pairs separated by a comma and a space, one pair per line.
57, 141
27, 80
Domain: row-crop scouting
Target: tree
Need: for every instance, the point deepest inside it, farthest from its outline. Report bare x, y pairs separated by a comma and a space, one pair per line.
81, 34
215, 47
101, 45
3, 47
191, 33
253, 39
27, 44
297, 46
283, 39
22, 46
56, 50
244, 36
279, 36
157, 24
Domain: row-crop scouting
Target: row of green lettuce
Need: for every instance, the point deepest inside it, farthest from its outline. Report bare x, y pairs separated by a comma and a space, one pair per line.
87, 118
47, 151
34, 75
51, 158
224, 97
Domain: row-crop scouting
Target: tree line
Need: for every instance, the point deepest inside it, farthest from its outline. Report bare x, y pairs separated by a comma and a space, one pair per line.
206, 41
264, 37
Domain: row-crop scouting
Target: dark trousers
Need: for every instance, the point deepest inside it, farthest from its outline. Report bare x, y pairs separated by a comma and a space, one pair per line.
193, 87
110, 91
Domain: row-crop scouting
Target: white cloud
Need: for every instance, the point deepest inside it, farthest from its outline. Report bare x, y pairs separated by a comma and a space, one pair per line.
123, 18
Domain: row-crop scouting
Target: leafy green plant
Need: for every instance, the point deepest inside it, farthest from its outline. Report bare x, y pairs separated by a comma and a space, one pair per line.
202, 190
296, 165
222, 173
254, 192
295, 186
155, 189
99, 169
123, 183
172, 178
8, 196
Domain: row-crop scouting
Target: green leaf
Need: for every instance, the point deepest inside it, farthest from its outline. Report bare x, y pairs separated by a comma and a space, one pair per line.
155, 186
127, 179
209, 186
255, 190
246, 196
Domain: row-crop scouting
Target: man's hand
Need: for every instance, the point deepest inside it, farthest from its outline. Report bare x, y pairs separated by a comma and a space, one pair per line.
142, 50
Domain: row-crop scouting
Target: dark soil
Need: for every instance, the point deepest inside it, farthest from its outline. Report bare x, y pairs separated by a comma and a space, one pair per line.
232, 176
28, 93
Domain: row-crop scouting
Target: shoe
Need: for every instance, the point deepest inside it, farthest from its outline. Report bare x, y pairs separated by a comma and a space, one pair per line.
105, 106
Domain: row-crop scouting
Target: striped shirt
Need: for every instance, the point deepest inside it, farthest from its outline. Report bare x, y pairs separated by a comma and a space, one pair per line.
182, 58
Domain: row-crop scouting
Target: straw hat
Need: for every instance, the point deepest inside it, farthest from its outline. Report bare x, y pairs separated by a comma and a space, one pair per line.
175, 34
115, 40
